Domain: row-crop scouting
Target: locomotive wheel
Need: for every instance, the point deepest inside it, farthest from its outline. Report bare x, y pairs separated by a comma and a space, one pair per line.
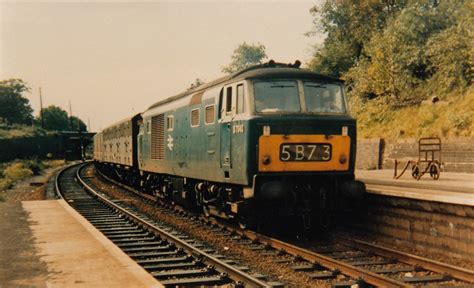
434, 171
415, 171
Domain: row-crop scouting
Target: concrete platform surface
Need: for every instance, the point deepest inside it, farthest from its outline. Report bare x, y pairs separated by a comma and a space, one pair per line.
68, 251
454, 188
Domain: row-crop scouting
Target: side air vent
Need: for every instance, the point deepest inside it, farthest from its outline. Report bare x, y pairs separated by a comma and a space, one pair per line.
158, 137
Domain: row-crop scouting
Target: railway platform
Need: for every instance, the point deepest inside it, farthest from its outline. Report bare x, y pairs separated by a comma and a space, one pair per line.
452, 188
48, 244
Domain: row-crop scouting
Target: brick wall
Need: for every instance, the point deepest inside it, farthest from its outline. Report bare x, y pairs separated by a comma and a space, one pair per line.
369, 154
442, 228
456, 153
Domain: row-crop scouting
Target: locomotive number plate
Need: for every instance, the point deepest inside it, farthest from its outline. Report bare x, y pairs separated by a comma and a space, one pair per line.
305, 152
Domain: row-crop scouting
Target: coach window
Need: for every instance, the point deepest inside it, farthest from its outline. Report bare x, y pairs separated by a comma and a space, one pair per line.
228, 100
170, 123
148, 130
195, 118
210, 112
240, 99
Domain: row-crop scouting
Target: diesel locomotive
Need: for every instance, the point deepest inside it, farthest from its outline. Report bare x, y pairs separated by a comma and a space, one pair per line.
272, 140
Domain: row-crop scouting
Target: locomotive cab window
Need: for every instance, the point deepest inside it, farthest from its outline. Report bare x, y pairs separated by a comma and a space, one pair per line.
228, 100
195, 118
324, 97
240, 99
276, 96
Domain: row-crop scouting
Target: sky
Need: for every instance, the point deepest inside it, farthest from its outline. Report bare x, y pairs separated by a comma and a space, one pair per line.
114, 59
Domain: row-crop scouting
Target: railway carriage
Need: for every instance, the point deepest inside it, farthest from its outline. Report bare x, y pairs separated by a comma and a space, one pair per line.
116, 147
270, 140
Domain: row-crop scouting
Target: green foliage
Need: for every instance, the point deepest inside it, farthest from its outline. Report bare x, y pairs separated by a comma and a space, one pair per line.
450, 54
399, 52
77, 124
348, 26
244, 56
14, 108
55, 118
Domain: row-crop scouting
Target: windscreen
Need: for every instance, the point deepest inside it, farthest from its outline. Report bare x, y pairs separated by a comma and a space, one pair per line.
324, 97
276, 96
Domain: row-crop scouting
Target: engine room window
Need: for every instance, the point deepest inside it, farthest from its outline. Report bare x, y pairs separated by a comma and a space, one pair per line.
170, 123
228, 100
276, 96
324, 98
195, 118
210, 114
240, 99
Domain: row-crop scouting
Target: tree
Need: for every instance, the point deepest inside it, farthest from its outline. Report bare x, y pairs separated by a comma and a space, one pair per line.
55, 118
244, 56
14, 108
348, 26
398, 62
197, 82
77, 124
398, 51
452, 70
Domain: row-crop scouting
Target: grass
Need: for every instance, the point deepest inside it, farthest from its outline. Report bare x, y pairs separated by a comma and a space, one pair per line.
17, 131
449, 118
18, 170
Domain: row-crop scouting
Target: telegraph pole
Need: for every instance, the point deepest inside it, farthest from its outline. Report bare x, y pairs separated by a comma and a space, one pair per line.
41, 109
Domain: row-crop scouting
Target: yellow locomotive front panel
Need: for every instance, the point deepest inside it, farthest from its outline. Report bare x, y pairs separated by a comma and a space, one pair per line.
305, 153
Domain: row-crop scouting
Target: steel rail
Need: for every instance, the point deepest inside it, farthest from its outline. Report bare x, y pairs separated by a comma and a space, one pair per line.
428, 264
219, 265
344, 268
56, 178
353, 271
313, 257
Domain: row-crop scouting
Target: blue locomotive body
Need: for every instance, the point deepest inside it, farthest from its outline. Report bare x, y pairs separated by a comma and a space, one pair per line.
269, 134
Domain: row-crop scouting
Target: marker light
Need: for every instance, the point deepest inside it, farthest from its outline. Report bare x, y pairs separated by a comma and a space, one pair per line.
266, 130
344, 130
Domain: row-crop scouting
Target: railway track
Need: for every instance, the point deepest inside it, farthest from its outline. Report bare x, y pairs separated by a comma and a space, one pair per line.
360, 263
173, 258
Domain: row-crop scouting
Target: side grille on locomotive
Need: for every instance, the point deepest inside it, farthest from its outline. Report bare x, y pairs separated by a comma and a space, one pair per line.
158, 137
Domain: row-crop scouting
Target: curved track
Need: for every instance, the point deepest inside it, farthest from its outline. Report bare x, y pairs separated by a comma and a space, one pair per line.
362, 262
172, 258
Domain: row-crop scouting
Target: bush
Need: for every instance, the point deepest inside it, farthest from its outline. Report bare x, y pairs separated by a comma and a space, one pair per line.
5, 184
460, 121
35, 165
17, 171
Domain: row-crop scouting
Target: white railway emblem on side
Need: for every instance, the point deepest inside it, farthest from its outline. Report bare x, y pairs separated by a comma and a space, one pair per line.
170, 142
